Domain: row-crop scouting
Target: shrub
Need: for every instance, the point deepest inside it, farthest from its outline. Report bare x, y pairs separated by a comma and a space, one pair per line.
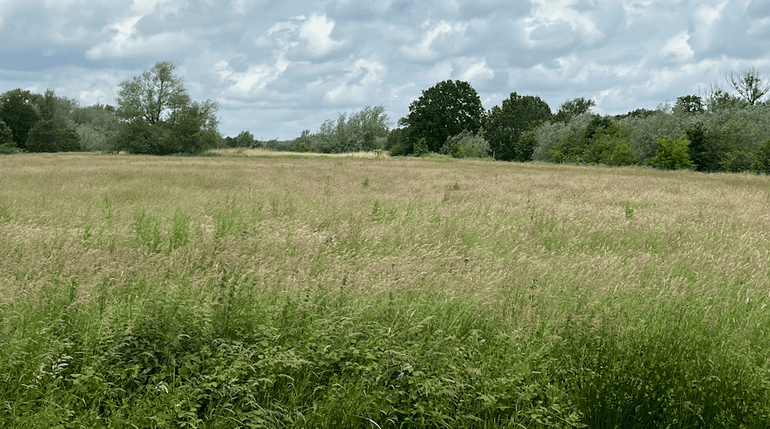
420, 147
762, 159
46, 136
600, 142
608, 148
466, 145
672, 154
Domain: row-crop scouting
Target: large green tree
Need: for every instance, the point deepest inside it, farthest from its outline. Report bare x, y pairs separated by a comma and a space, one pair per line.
506, 124
572, 108
48, 136
442, 111
20, 113
159, 118
153, 96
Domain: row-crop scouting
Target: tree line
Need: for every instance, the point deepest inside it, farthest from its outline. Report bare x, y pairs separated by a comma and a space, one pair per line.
154, 114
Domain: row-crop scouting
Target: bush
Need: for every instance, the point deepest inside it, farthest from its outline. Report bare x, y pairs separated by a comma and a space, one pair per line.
600, 142
466, 145
672, 154
608, 148
420, 147
762, 159
46, 136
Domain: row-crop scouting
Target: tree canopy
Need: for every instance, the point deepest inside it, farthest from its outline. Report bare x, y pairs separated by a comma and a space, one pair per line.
153, 96
442, 111
20, 114
506, 124
159, 118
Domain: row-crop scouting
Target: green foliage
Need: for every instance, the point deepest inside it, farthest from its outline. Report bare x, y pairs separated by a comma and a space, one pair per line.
689, 104
98, 127
20, 114
398, 143
148, 232
355, 133
762, 159
661, 374
466, 145
573, 108
46, 136
7, 145
443, 110
180, 230
601, 142
158, 117
608, 147
244, 139
698, 148
550, 135
736, 161
421, 147
153, 96
672, 154
505, 125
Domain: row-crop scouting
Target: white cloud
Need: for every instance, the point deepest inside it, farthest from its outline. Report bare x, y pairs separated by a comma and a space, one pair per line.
362, 80
252, 81
546, 27
704, 19
425, 50
316, 33
678, 47
475, 69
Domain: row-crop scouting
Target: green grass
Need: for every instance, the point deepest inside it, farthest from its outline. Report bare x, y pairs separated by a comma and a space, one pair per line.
274, 292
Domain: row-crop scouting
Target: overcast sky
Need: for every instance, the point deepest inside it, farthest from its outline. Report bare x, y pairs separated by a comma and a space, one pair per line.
279, 67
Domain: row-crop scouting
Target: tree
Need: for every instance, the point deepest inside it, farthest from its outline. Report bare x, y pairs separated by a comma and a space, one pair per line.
47, 136
19, 113
357, 132
749, 84
572, 108
156, 110
672, 154
761, 163
466, 145
6, 135
153, 96
7, 145
689, 104
443, 110
718, 100
505, 125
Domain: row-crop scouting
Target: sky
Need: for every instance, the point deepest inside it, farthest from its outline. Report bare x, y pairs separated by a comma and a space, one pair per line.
279, 67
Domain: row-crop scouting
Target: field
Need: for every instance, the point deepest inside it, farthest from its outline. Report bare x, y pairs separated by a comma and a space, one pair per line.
222, 292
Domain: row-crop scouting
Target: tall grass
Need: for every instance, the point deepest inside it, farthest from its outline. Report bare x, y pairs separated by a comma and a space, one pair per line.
277, 292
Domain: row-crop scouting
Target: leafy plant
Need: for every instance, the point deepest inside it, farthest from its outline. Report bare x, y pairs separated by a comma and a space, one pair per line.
672, 154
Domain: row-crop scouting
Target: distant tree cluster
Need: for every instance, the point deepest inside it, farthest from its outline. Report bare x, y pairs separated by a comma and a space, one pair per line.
716, 132
37, 122
154, 114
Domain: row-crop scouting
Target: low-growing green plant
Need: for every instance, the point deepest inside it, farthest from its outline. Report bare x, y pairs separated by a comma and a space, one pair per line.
148, 232
672, 154
180, 230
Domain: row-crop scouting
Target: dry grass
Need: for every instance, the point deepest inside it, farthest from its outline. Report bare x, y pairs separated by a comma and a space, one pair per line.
591, 229
269, 153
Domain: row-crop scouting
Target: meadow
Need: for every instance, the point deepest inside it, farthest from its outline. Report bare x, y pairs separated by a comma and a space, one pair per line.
378, 292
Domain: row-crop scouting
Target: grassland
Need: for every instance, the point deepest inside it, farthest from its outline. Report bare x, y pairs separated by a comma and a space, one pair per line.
224, 292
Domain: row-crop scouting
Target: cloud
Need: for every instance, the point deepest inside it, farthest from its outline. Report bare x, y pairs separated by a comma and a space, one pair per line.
362, 81
316, 32
678, 48
278, 67
252, 81
126, 43
442, 36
